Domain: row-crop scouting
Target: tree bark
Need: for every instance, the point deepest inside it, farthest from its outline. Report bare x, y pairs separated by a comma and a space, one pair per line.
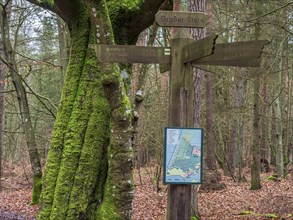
63, 44
255, 151
2, 87
10, 61
241, 84
196, 33
255, 148
138, 90
279, 126
88, 173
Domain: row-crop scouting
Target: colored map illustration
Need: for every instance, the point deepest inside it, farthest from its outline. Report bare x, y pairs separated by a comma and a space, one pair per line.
183, 155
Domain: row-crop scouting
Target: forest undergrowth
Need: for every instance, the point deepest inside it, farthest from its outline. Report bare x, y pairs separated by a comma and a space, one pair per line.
237, 201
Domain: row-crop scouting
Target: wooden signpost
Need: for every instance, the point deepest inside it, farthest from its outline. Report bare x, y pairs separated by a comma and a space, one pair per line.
228, 54
181, 19
133, 54
182, 54
199, 49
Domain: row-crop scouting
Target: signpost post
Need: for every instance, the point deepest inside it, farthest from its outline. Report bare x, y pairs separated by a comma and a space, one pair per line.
182, 55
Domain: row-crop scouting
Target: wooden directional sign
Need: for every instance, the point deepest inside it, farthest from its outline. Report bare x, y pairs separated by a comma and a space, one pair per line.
244, 54
199, 49
133, 54
181, 19
239, 63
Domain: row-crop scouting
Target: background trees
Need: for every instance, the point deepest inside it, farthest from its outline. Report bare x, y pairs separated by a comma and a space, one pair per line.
252, 108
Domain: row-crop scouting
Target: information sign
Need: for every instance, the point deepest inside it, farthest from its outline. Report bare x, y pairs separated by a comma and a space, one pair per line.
183, 155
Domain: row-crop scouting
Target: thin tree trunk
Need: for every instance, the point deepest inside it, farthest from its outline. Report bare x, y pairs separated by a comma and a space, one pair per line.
273, 136
255, 148
23, 106
196, 33
255, 152
264, 151
241, 84
2, 87
139, 88
278, 134
285, 111
290, 119
210, 148
232, 148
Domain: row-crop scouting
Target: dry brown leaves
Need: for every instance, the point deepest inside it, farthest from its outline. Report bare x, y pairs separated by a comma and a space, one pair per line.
274, 198
15, 196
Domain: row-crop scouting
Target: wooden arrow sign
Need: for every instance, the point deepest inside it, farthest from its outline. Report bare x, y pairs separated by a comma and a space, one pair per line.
244, 54
199, 49
181, 19
239, 63
132, 54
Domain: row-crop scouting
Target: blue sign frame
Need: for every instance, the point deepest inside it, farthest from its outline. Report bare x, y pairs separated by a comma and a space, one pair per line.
183, 155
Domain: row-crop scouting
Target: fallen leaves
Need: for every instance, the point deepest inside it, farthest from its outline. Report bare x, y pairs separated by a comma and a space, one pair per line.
15, 196
273, 201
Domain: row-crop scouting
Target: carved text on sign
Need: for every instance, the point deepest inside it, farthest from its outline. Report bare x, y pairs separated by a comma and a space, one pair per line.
133, 54
181, 19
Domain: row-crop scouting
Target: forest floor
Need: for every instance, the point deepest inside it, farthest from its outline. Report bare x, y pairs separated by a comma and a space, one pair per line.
273, 201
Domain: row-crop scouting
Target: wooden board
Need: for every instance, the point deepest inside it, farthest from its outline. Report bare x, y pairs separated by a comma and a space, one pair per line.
133, 54
230, 54
199, 49
181, 19
239, 63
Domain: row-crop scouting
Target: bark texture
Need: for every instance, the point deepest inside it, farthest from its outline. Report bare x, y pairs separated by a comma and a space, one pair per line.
88, 169
10, 61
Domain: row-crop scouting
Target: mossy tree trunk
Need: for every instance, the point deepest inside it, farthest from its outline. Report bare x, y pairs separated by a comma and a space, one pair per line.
88, 169
76, 182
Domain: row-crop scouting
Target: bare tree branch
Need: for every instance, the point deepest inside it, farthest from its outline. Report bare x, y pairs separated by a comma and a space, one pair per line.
268, 13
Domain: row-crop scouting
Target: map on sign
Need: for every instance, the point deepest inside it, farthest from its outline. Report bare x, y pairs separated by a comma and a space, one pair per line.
183, 155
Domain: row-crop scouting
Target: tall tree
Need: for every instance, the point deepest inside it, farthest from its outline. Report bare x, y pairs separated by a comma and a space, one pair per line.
196, 33
255, 148
2, 87
88, 169
10, 61
211, 176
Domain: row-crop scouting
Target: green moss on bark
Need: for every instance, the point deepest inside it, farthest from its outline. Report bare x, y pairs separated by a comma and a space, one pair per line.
75, 185
80, 32
118, 193
90, 176
36, 189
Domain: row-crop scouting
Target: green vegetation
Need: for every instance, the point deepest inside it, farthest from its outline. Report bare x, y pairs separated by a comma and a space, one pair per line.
273, 177
246, 212
270, 216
